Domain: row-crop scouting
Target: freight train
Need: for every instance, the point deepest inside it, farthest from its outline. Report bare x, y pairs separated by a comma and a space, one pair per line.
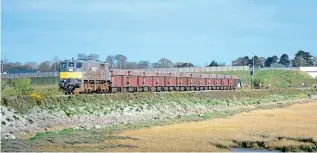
91, 76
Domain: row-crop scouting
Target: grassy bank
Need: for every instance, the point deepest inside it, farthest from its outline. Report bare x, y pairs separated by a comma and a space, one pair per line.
116, 112
277, 78
105, 104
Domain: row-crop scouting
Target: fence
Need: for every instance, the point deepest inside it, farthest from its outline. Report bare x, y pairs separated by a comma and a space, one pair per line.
282, 68
41, 78
52, 78
199, 69
178, 70
30, 75
35, 80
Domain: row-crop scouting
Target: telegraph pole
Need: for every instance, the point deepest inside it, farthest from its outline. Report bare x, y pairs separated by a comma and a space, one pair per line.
301, 56
252, 73
301, 62
253, 66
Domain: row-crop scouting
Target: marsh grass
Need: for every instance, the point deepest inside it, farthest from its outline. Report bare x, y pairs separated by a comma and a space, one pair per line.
40, 135
286, 129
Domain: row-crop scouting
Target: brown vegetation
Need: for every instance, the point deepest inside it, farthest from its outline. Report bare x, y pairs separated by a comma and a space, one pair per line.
288, 129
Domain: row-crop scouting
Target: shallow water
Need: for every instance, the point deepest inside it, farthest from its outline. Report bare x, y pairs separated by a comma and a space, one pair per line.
250, 150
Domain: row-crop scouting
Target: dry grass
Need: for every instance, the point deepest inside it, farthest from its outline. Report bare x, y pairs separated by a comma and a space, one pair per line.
298, 121
286, 129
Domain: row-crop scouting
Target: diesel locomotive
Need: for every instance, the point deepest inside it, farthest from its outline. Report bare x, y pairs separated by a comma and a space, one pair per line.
83, 76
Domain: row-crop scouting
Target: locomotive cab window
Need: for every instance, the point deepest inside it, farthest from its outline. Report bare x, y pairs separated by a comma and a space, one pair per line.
63, 66
71, 64
79, 65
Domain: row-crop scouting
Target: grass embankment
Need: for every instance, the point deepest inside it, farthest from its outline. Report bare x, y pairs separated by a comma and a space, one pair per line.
277, 78
138, 102
214, 104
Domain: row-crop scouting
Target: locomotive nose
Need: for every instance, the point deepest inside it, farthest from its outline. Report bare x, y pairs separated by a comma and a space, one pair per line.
61, 83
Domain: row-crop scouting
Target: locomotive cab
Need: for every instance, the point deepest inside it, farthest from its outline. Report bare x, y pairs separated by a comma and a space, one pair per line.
71, 75
71, 69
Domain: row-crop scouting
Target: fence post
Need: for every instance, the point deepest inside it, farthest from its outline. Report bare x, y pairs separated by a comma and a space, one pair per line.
45, 79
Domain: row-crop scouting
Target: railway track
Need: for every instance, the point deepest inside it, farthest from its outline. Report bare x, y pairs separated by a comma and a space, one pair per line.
162, 92
166, 92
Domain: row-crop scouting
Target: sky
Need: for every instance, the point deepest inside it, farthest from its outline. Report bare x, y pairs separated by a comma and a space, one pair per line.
196, 31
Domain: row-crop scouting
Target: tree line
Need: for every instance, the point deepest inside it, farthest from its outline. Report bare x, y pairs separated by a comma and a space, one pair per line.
301, 58
120, 61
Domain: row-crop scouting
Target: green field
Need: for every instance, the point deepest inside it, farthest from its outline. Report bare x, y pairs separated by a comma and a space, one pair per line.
277, 78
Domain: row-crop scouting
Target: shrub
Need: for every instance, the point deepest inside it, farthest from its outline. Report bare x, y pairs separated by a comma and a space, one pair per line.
22, 85
257, 82
3, 84
37, 98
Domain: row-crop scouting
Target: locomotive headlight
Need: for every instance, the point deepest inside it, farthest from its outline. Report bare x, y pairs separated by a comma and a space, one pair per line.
70, 70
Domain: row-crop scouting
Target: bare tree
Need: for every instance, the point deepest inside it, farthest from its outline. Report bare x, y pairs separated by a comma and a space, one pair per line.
261, 61
131, 65
178, 64
165, 63
110, 59
11, 66
93, 56
315, 60
155, 65
143, 64
45, 66
241, 61
82, 56
299, 61
30, 66
55, 64
307, 58
120, 60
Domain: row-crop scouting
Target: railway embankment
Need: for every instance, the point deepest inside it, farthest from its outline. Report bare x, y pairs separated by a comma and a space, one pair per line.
23, 115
